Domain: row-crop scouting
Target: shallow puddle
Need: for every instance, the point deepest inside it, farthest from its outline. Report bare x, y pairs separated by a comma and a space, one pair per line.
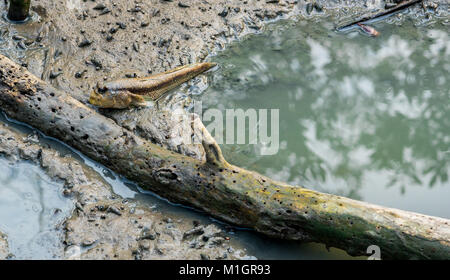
32, 208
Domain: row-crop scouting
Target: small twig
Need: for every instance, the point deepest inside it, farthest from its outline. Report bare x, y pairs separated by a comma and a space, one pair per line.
401, 6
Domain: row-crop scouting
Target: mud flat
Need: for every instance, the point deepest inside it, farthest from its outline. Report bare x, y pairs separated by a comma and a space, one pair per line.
4, 250
105, 226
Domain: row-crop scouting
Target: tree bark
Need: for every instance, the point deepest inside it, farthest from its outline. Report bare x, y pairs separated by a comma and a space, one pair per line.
18, 10
227, 192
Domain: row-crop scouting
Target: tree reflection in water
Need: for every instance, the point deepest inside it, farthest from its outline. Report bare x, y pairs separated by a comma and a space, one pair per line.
349, 104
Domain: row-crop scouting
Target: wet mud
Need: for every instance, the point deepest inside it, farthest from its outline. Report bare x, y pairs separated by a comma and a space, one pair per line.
104, 225
4, 250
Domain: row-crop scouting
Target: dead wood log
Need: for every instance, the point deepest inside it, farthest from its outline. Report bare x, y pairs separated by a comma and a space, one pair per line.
229, 193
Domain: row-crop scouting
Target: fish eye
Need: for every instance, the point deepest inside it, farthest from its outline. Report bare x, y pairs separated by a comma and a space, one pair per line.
101, 88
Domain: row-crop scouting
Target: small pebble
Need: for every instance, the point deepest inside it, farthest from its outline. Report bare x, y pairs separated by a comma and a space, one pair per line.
114, 210
100, 7
85, 43
224, 12
183, 5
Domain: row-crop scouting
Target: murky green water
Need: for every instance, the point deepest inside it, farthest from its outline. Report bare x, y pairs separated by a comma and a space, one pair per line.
368, 118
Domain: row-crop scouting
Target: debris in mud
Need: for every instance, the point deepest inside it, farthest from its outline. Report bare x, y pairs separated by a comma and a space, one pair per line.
4, 250
224, 12
79, 74
99, 7
85, 43
183, 5
54, 75
113, 209
195, 231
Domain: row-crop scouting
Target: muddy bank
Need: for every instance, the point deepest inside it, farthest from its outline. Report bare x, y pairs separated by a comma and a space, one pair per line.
75, 44
105, 226
4, 250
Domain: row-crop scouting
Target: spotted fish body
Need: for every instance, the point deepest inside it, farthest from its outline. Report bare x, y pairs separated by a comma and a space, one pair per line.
123, 93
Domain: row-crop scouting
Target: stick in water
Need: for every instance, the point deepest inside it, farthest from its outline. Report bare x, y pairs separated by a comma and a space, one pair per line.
19, 10
401, 6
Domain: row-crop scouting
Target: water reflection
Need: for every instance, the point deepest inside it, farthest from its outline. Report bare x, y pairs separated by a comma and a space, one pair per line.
350, 107
31, 208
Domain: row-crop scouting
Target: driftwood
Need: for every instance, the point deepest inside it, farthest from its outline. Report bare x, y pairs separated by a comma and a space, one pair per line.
229, 193
401, 6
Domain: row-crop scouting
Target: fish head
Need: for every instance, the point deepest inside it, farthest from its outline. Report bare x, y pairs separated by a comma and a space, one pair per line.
104, 98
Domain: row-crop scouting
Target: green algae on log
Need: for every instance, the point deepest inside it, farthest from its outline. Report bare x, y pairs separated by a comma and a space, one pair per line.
18, 10
227, 192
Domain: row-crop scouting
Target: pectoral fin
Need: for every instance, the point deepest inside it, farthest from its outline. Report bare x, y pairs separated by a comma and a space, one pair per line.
137, 100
